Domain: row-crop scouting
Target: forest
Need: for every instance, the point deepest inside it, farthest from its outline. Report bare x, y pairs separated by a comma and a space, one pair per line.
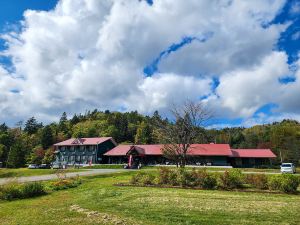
32, 141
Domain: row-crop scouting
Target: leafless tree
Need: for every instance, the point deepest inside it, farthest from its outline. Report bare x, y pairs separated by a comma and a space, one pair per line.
179, 135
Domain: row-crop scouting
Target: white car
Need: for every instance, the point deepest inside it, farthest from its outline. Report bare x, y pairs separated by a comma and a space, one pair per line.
287, 168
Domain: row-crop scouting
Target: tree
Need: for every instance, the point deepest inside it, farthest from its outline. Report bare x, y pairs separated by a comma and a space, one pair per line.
49, 156
62, 126
2, 151
16, 155
37, 155
143, 134
3, 128
32, 126
47, 137
179, 136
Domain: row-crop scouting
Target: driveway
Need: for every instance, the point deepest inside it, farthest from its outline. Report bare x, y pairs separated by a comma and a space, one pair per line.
89, 172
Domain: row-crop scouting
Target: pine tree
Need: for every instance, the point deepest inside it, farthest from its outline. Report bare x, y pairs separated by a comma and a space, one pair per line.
47, 138
32, 126
16, 155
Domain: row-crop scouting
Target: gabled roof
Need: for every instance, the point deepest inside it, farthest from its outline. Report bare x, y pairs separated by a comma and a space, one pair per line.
252, 153
196, 149
84, 141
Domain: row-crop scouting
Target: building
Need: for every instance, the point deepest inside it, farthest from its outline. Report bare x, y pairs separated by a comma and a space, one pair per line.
83, 150
102, 150
199, 154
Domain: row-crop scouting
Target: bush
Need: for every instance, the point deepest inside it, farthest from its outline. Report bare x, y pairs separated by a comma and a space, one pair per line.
164, 175
286, 183
274, 182
136, 178
203, 179
10, 191
15, 190
289, 183
259, 181
147, 179
185, 178
33, 189
231, 179
66, 183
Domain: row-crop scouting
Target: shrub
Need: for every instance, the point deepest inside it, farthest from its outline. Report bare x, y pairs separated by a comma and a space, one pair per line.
66, 183
164, 175
203, 179
10, 191
185, 178
259, 181
147, 179
136, 178
231, 179
33, 189
15, 190
289, 183
286, 183
274, 182
209, 182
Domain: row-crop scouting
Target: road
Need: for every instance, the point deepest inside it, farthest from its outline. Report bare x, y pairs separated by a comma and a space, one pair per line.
89, 172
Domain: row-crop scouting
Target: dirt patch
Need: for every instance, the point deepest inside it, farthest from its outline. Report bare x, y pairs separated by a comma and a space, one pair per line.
102, 218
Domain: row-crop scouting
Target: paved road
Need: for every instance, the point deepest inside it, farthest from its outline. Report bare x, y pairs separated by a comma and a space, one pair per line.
89, 172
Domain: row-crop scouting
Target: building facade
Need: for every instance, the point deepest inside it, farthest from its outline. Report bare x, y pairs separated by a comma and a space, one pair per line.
83, 150
199, 154
104, 150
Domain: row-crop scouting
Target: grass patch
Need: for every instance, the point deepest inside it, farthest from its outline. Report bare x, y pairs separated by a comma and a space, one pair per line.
25, 172
98, 201
105, 166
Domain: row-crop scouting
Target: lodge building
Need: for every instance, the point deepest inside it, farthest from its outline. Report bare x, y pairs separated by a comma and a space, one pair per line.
104, 150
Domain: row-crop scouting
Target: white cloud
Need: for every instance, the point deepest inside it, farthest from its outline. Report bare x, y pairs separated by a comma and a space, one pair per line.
90, 54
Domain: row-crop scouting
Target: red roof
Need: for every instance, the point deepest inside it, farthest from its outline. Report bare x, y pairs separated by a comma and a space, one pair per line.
253, 153
196, 149
83, 141
210, 149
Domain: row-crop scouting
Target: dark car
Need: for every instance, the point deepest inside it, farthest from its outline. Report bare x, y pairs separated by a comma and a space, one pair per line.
44, 166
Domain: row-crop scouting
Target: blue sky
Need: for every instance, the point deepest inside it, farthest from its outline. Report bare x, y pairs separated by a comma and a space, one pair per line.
163, 60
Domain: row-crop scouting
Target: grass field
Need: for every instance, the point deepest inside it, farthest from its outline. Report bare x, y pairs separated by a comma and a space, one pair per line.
25, 172
97, 201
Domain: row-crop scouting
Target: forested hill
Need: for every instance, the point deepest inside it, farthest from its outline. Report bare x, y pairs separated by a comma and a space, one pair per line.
32, 142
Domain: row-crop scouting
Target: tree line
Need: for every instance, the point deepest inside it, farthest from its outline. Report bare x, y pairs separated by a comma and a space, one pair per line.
32, 141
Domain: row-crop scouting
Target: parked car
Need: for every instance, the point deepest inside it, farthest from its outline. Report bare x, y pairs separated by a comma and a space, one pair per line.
33, 166
287, 168
56, 166
44, 166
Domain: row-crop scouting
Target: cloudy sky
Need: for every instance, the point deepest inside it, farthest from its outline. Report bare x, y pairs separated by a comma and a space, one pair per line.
239, 57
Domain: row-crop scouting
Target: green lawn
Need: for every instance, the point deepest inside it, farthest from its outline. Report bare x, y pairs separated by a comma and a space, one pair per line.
97, 201
25, 172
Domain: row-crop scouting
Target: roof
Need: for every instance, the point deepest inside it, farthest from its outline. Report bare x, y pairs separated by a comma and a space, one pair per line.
196, 149
83, 141
253, 153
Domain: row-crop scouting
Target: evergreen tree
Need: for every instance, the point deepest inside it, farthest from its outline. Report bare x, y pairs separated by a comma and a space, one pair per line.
32, 126
16, 155
62, 126
47, 138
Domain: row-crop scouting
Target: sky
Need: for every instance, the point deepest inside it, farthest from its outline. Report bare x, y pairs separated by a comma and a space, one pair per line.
240, 59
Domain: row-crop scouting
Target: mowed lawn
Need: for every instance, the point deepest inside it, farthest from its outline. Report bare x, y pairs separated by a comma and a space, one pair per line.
97, 201
25, 172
